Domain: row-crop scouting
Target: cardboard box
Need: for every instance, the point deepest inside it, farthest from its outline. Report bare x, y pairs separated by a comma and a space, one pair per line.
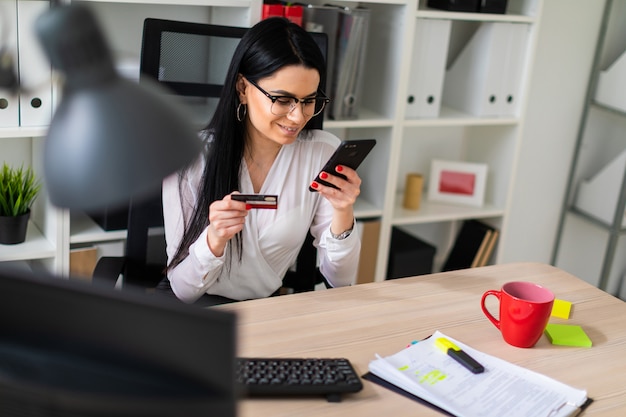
83, 261
370, 233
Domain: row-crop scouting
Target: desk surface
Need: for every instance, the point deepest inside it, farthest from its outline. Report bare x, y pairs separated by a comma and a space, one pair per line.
358, 322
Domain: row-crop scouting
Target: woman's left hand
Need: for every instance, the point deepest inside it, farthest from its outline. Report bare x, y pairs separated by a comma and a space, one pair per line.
344, 196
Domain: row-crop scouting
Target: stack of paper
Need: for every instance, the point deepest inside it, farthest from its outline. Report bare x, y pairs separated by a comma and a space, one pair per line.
503, 389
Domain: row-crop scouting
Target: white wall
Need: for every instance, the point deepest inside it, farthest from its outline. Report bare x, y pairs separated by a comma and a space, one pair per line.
566, 45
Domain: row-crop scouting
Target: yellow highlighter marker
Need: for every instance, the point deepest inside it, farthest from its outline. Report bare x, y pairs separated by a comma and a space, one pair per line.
458, 355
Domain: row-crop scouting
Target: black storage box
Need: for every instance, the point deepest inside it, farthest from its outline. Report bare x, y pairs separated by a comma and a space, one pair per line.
409, 256
472, 6
492, 6
111, 219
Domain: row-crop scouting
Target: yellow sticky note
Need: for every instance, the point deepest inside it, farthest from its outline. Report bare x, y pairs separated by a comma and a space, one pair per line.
567, 335
561, 309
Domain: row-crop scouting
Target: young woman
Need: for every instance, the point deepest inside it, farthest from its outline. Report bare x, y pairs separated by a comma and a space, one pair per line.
256, 143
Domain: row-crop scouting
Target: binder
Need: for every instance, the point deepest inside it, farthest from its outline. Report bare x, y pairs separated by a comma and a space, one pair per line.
488, 250
9, 100
473, 81
470, 246
272, 10
476, 262
347, 30
294, 13
35, 71
513, 68
349, 62
324, 19
428, 66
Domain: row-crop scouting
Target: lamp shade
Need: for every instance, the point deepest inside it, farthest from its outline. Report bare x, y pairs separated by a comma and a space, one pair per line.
110, 139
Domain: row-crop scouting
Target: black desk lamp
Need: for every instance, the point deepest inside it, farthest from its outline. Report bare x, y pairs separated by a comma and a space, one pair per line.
110, 139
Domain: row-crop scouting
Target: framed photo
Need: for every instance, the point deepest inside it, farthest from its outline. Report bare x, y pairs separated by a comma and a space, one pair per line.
457, 182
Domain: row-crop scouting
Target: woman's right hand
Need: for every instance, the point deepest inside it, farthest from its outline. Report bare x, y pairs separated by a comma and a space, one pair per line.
226, 219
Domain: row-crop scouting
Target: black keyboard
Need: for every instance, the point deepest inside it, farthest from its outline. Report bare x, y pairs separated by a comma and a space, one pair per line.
297, 376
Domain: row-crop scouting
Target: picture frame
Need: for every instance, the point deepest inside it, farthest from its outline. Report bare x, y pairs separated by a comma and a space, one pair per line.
457, 182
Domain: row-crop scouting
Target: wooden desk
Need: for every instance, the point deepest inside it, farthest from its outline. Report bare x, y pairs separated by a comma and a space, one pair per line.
360, 321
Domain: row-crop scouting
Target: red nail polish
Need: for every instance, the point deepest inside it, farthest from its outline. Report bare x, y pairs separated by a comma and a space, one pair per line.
248, 206
323, 175
339, 168
314, 185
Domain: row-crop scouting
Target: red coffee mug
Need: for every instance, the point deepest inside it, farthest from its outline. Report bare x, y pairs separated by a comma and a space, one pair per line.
525, 309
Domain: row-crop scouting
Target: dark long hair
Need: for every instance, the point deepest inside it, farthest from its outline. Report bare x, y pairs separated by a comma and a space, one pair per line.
265, 48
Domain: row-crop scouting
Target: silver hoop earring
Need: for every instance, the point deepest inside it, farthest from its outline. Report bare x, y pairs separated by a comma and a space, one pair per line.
241, 115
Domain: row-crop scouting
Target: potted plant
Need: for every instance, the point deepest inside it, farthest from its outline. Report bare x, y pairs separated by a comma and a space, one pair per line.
18, 189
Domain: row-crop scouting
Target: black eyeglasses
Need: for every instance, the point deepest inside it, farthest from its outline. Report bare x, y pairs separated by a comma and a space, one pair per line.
283, 105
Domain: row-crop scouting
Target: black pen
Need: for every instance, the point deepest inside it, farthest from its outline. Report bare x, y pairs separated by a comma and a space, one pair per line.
458, 355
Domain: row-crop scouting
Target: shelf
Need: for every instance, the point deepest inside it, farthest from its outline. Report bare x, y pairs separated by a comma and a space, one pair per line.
431, 212
477, 17
36, 246
452, 117
367, 119
597, 222
598, 201
22, 132
608, 108
390, 2
364, 209
215, 3
405, 145
84, 230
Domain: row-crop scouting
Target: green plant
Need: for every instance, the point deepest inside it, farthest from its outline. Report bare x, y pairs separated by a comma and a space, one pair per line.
18, 189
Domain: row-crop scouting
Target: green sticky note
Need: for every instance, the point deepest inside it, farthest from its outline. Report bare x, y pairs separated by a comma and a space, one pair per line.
561, 309
567, 335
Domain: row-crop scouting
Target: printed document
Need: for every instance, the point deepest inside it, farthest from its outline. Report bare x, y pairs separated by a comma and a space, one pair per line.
503, 389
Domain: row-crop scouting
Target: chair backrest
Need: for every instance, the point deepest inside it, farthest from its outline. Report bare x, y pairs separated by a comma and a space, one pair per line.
191, 60
145, 251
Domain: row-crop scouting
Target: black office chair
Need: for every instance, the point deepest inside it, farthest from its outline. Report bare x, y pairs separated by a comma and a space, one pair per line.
144, 260
175, 54
142, 266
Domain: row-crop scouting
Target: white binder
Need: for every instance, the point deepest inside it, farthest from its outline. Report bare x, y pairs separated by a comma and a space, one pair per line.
9, 100
473, 81
428, 66
35, 71
513, 68
611, 90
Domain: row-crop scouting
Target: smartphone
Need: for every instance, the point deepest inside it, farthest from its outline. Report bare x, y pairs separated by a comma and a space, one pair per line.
349, 153
257, 201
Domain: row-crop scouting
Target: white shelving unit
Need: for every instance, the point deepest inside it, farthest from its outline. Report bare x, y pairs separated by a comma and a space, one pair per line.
404, 145
591, 240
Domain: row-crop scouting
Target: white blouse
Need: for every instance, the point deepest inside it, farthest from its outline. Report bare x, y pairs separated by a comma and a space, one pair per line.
271, 238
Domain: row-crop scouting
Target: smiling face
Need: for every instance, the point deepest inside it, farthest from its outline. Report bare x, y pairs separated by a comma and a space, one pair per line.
262, 125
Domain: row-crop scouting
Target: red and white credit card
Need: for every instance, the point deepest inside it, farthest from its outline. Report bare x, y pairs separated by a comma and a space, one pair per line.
259, 201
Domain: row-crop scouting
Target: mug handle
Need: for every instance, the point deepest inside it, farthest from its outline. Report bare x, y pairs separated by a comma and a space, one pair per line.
485, 311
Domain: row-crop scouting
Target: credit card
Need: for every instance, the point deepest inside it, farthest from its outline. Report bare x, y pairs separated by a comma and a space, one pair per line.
259, 201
